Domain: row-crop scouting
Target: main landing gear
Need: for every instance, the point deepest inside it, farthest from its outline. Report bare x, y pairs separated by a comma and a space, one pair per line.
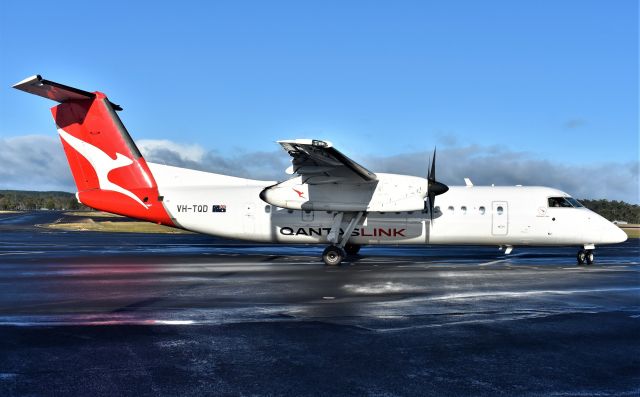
585, 256
338, 250
333, 254
352, 249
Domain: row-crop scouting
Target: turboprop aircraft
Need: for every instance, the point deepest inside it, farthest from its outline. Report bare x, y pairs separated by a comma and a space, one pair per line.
329, 198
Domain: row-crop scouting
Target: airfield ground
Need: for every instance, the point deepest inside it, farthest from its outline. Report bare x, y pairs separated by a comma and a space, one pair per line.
156, 314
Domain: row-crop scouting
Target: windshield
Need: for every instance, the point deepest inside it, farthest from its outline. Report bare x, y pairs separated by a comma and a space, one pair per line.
574, 202
564, 202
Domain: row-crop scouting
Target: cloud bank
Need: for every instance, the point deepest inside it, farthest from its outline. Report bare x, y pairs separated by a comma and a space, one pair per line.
486, 165
38, 163
34, 162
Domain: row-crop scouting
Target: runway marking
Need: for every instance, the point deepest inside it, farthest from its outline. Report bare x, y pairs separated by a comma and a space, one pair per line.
381, 288
492, 262
174, 322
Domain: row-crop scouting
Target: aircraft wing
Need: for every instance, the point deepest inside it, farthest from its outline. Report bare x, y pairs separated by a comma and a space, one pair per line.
318, 162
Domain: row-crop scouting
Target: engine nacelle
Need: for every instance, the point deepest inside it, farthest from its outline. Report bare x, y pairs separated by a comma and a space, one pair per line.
390, 193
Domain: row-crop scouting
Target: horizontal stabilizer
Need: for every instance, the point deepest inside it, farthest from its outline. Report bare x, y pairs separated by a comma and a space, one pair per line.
58, 92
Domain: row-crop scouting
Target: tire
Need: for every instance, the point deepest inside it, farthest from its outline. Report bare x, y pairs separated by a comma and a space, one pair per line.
352, 249
333, 255
589, 257
582, 257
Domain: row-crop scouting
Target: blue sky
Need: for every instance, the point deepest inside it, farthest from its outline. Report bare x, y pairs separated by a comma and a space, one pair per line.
556, 81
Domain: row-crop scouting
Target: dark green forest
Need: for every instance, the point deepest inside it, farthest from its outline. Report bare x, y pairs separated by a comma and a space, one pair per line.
26, 200
614, 210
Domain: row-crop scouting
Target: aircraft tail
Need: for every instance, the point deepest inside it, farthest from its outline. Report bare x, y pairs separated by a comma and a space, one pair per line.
109, 171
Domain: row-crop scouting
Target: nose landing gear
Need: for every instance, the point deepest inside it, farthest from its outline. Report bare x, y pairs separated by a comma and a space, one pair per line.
585, 257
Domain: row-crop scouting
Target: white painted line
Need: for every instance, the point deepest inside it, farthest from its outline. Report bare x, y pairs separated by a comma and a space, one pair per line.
492, 262
174, 322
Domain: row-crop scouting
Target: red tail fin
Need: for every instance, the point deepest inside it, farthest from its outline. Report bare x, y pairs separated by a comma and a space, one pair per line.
109, 171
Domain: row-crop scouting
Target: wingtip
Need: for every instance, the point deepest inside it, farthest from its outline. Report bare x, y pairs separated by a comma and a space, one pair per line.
35, 77
306, 141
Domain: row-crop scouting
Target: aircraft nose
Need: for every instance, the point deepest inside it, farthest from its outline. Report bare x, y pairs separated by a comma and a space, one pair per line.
612, 234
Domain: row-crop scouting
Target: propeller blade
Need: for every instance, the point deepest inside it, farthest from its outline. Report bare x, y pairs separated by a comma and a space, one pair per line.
432, 172
435, 188
432, 198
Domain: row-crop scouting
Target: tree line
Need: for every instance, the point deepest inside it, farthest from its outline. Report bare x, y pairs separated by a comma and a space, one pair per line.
27, 200
614, 210
19, 200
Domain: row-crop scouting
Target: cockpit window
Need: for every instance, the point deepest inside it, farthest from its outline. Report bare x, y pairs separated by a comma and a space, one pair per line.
561, 202
574, 202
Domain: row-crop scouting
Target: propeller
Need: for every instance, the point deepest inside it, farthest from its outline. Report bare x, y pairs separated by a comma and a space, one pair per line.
435, 188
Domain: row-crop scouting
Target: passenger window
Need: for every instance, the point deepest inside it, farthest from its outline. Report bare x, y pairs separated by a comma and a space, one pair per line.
481, 209
463, 209
450, 209
499, 210
267, 209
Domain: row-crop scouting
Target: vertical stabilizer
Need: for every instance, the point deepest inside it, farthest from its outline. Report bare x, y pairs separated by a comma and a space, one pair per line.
109, 171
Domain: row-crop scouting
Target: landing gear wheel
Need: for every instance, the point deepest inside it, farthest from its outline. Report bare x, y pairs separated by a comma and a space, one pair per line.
352, 249
333, 255
582, 257
589, 257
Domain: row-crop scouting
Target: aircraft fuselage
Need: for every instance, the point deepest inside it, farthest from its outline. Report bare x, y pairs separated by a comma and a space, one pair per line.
485, 215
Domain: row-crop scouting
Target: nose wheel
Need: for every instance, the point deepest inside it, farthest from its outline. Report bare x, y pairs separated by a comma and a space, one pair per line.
585, 257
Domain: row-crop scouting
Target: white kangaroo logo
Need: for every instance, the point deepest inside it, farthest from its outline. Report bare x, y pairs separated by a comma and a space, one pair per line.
102, 163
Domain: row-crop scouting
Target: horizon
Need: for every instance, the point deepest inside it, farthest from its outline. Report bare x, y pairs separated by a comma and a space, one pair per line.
74, 192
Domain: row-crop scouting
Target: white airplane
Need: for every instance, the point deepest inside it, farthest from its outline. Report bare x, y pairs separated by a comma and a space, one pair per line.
331, 199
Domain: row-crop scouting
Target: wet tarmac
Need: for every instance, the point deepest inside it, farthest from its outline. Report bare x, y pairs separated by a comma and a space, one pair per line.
86, 313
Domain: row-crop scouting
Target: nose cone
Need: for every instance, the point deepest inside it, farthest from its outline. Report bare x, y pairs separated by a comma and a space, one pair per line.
438, 188
613, 235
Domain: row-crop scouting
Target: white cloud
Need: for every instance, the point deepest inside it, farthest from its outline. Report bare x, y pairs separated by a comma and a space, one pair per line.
487, 165
255, 165
38, 163
150, 147
34, 162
